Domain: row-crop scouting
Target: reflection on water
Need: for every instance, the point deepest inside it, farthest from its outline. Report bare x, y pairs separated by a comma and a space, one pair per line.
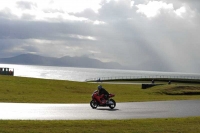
79, 74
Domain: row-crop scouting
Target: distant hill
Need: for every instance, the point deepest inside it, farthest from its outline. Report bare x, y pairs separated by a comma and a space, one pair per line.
32, 59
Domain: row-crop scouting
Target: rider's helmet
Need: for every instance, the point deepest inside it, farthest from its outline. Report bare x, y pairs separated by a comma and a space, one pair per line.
99, 87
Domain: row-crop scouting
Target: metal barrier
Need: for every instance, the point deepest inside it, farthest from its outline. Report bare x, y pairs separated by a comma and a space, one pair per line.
144, 77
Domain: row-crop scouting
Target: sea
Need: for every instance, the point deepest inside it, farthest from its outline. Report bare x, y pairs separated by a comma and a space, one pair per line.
85, 74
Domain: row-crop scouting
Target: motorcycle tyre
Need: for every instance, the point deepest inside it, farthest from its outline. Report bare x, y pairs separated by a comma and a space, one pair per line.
92, 104
113, 105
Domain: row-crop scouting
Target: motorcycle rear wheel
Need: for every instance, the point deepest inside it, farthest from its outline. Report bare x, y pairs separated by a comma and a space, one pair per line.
93, 104
112, 106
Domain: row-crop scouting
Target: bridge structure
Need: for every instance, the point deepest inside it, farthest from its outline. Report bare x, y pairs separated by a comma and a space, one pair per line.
152, 78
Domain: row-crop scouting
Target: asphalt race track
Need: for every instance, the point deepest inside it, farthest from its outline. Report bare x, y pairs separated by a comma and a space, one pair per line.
133, 110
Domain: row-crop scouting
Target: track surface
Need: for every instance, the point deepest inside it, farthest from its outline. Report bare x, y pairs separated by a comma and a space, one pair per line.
133, 110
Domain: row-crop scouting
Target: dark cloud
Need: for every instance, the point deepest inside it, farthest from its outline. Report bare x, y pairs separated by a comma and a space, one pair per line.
87, 13
116, 10
21, 29
28, 17
193, 4
24, 5
6, 13
7, 46
165, 42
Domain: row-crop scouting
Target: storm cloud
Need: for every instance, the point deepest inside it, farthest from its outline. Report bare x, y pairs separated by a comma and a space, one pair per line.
158, 35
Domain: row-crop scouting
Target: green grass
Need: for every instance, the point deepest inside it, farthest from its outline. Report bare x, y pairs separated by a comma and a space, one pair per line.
170, 125
32, 90
182, 90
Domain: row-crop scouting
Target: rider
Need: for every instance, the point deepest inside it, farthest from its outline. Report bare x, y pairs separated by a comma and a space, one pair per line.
102, 92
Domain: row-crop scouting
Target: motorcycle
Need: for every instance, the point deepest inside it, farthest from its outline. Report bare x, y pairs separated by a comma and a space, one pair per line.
94, 103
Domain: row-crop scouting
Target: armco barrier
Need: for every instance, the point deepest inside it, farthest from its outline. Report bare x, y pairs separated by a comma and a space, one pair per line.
146, 77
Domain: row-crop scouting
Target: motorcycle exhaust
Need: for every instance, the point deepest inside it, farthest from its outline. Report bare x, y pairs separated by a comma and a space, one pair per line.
110, 103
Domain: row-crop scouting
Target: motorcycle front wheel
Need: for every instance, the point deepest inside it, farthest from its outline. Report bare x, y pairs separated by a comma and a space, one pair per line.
93, 104
112, 106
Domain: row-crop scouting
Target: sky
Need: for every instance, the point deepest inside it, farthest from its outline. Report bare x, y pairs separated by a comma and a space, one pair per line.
149, 35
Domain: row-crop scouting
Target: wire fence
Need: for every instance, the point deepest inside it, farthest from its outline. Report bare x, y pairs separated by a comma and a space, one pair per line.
145, 77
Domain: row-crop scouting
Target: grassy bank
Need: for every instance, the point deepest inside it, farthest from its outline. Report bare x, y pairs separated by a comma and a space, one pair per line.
19, 89
31, 90
171, 125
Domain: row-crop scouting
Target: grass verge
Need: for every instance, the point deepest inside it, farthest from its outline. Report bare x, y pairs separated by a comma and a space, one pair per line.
170, 125
182, 90
31, 90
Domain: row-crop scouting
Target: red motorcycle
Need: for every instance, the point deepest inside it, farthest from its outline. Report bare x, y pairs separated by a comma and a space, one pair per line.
100, 101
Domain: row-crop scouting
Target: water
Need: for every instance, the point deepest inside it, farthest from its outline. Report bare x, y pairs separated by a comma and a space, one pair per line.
81, 74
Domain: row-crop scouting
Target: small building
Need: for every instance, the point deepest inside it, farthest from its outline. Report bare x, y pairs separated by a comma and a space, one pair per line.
6, 71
